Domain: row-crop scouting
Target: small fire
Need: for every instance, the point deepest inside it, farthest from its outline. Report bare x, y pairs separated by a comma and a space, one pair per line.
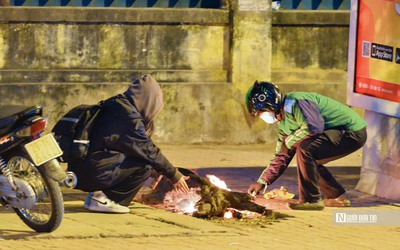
229, 213
186, 206
183, 203
217, 182
186, 203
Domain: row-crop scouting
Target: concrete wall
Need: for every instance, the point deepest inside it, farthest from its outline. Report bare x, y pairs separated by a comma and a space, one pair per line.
205, 61
310, 51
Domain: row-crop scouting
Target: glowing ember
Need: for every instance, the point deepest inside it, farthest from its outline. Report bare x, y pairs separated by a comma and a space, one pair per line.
217, 182
183, 203
186, 206
228, 214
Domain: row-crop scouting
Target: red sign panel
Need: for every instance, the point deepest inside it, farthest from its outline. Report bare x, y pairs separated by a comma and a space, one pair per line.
377, 57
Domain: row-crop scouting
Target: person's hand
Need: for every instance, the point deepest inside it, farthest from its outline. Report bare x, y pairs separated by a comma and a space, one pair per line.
182, 185
255, 188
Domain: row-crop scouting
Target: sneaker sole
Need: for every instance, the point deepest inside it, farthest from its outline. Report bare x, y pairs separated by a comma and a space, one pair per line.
105, 211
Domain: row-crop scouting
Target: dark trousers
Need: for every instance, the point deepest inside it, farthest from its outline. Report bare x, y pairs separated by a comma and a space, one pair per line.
128, 183
120, 182
312, 153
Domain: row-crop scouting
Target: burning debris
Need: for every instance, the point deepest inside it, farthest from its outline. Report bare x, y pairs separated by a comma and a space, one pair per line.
182, 203
216, 201
205, 199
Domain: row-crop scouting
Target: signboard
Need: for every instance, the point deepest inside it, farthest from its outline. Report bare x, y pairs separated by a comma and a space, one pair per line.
374, 56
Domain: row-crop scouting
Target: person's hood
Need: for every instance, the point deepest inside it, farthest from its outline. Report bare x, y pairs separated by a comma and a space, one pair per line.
145, 94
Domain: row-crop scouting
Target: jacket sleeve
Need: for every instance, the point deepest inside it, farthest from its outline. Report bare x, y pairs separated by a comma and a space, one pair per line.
134, 142
278, 164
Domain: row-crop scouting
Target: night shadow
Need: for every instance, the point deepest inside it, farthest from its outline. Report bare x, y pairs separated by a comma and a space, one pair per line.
7, 234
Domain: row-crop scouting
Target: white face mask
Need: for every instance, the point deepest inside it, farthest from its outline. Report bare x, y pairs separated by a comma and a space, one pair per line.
268, 117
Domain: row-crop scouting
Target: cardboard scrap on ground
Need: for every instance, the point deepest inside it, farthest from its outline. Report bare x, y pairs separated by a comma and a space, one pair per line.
280, 193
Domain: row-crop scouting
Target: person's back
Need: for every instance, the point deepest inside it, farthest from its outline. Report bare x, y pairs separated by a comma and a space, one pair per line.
113, 124
122, 155
335, 114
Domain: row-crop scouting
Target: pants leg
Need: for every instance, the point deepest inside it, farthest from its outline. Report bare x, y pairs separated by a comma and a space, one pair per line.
307, 172
329, 186
312, 152
131, 180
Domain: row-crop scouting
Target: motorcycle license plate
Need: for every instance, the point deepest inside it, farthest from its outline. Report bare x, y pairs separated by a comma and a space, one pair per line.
43, 149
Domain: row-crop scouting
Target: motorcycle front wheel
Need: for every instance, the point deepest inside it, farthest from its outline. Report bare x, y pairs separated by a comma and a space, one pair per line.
48, 211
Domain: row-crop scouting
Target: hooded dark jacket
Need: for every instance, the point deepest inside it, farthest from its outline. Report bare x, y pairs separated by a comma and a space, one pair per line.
120, 138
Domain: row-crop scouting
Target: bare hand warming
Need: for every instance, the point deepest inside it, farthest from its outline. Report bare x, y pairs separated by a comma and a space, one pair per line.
182, 185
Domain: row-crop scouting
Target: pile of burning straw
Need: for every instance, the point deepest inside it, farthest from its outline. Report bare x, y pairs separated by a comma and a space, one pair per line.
206, 198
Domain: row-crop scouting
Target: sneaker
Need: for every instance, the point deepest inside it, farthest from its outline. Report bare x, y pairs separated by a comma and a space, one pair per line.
307, 205
340, 201
98, 202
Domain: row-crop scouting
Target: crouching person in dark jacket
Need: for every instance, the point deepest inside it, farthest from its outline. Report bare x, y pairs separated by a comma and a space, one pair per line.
122, 155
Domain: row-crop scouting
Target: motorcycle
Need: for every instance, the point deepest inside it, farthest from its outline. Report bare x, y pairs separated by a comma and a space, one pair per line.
30, 173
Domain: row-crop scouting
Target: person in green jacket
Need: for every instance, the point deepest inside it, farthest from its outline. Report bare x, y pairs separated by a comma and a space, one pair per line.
315, 128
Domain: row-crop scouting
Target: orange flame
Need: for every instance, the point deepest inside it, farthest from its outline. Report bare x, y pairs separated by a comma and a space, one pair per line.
217, 182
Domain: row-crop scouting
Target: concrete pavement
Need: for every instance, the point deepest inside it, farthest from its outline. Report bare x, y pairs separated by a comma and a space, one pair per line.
149, 228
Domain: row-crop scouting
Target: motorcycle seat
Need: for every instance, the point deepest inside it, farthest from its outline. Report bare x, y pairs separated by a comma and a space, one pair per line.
11, 114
